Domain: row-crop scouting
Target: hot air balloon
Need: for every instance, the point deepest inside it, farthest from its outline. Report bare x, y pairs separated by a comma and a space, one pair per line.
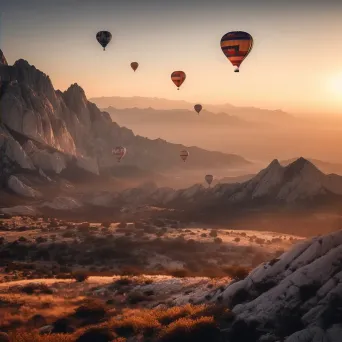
178, 77
119, 152
198, 108
104, 37
134, 65
236, 46
184, 155
209, 179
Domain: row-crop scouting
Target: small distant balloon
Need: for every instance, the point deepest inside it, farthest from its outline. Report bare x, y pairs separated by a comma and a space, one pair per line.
184, 155
198, 108
209, 179
134, 66
178, 77
104, 37
236, 46
119, 152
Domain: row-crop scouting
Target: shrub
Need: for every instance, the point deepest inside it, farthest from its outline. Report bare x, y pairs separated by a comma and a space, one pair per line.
218, 312
136, 297
62, 326
218, 240
176, 312
179, 273
97, 334
259, 241
204, 235
236, 272
187, 330
40, 239
68, 234
213, 233
92, 311
37, 321
80, 276
140, 322
237, 239
123, 281
36, 289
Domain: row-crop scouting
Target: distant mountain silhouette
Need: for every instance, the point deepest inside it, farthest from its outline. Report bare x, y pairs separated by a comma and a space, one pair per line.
151, 116
244, 113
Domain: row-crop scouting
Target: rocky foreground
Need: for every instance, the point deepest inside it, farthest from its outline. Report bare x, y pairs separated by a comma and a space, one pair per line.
296, 297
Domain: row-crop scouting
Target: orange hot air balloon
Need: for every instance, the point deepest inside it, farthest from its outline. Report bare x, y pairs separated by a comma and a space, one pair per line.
134, 65
236, 46
198, 108
184, 155
178, 77
119, 152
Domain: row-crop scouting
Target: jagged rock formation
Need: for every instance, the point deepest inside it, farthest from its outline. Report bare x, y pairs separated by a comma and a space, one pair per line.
297, 296
300, 181
50, 130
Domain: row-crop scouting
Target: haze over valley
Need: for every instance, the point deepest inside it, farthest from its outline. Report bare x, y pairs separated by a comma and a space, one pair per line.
258, 134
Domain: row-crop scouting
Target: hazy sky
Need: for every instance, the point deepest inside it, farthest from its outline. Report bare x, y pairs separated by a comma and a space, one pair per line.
295, 65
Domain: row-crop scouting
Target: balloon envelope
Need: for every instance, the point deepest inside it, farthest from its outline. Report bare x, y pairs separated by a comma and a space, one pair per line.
119, 152
198, 108
209, 179
104, 37
178, 77
184, 154
236, 46
134, 65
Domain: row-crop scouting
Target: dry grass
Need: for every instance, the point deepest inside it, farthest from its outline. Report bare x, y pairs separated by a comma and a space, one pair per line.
169, 315
35, 337
186, 330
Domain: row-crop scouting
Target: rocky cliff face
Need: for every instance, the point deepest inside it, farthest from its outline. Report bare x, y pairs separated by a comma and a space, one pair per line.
296, 298
47, 129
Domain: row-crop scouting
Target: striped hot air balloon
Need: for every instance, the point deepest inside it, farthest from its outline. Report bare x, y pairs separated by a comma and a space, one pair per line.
184, 155
178, 77
104, 37
119, 152
236, 46
134, 65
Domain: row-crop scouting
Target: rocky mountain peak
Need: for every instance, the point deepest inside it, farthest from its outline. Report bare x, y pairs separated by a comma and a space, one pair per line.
75, 98
302, 166
29, 76
3, 60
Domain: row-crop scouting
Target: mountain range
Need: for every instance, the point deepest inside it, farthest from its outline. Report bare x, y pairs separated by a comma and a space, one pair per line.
150, 116
299, 185
53, 133
297, 182
243, 113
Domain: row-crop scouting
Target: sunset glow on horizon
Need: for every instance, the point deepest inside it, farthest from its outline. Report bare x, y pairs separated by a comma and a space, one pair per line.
295, 64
